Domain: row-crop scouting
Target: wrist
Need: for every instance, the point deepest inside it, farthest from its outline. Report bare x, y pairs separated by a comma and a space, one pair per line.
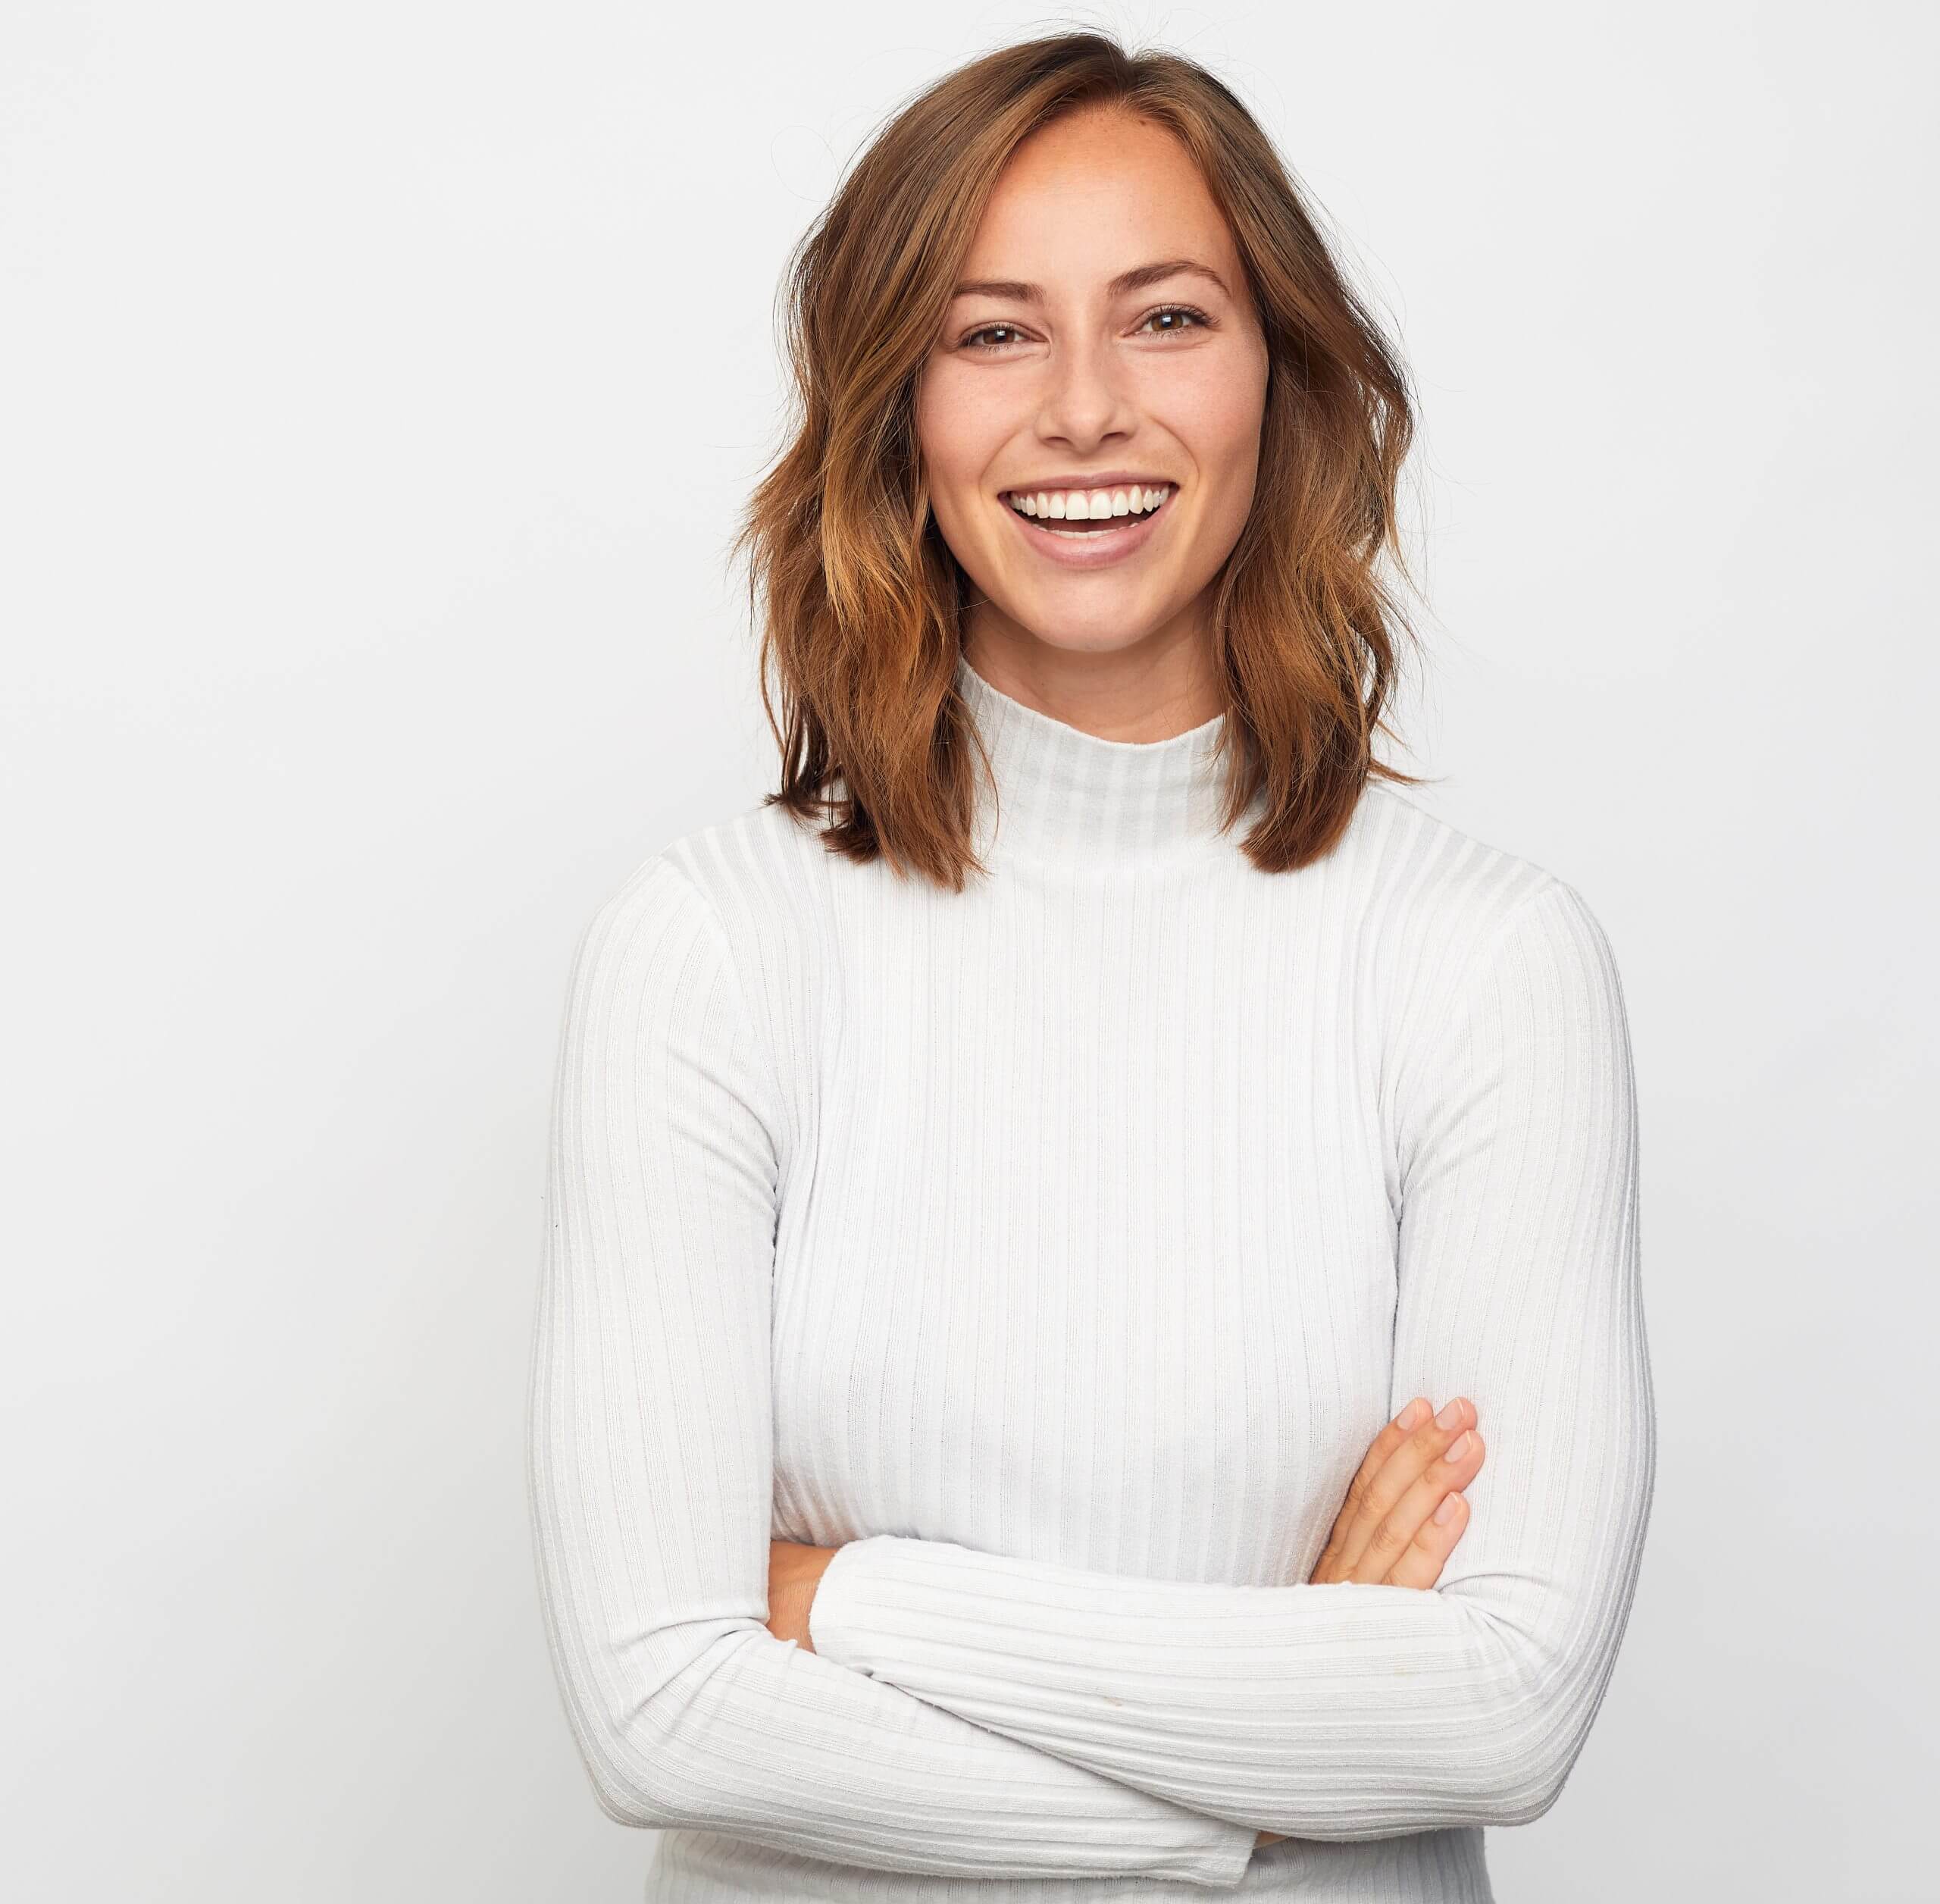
810, 1584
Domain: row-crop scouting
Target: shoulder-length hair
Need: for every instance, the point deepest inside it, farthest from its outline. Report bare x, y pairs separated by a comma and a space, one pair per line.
858, 597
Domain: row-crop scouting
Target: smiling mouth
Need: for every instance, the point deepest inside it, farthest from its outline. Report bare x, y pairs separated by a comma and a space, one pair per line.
1140, 506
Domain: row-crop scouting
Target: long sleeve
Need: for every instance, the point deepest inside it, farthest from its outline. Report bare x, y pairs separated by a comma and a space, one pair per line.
1349, 1711
649, 1468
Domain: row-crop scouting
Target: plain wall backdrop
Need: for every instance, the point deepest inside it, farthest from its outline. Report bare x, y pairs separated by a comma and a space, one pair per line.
379, 386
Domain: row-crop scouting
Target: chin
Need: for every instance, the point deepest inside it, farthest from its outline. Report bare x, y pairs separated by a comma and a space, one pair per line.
1091, 618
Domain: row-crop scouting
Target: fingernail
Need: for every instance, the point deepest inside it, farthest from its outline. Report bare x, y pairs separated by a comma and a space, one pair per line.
1446, 1512
1410, 1414
1459, 1446
1450, 1415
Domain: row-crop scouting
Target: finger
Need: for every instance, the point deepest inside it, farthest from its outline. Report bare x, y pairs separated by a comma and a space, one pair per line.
1407, 1462
1424, 1556
1334, 1555
1394, 1538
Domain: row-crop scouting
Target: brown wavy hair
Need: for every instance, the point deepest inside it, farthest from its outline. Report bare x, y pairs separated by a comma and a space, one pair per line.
858, 598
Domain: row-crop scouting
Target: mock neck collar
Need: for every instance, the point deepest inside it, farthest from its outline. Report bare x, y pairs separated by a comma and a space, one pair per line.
1065, 795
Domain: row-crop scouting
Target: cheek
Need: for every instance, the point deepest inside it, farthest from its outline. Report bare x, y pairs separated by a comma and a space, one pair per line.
955, 430
1226, 415
1214, 405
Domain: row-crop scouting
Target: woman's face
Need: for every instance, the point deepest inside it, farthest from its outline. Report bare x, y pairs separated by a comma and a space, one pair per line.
1050, 376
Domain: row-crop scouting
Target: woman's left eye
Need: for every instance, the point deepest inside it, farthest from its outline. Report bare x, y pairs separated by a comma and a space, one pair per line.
1177, 310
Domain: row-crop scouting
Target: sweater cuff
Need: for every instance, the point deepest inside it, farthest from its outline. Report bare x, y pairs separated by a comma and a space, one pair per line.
839, 1614
1216, 1852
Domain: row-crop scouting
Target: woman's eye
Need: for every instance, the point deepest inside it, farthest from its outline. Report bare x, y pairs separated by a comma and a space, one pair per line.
1177, 310
1197, 320
971, 343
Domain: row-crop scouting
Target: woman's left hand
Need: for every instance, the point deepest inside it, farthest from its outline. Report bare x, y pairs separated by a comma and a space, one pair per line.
793, 1571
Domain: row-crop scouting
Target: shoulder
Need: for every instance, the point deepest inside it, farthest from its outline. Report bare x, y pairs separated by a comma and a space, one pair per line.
733, 874
726, 916
659, 989
1441, 884
1429, 875
1451, 911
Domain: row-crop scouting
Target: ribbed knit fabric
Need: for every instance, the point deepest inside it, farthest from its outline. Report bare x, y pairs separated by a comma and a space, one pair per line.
1056, 1249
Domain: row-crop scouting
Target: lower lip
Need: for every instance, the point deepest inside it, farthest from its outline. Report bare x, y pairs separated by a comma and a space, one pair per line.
1091, 548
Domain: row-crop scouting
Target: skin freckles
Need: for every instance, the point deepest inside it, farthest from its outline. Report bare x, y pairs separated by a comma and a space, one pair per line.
1082, 381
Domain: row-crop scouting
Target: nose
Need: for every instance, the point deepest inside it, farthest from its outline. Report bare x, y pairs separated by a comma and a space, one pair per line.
1086, 399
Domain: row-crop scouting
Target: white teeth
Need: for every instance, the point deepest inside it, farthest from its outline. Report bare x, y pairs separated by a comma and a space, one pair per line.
1062, 505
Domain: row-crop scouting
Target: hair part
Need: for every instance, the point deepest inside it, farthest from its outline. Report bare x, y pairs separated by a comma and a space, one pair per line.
858, 597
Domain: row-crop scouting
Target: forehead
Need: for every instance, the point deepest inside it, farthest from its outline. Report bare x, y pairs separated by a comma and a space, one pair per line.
1088, 196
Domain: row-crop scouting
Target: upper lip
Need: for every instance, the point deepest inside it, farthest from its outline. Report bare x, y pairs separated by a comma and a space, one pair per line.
1106, 479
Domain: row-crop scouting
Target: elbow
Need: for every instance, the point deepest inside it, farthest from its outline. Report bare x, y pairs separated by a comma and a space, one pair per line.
1524, 1739
1489, 1773
1522, 1800
1504, 1756
631, 1781
645, 1737
1537, 1742
626, 1802
1524, 1750
1504, 1766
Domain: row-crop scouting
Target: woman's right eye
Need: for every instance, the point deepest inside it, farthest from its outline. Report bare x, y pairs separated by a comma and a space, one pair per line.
966, 341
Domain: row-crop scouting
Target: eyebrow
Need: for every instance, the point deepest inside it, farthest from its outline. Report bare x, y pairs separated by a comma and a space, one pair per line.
1135, 280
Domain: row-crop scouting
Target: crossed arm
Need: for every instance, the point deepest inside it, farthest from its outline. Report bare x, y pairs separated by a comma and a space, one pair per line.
1402, 1516
972, 1714
1349, 1711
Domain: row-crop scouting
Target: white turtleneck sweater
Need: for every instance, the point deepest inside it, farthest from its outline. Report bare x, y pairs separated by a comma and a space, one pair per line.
1055, 1250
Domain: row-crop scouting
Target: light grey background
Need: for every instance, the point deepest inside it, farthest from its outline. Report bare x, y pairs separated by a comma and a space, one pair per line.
379, 384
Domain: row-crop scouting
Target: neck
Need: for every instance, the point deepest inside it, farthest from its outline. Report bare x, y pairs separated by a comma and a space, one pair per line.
1064, 794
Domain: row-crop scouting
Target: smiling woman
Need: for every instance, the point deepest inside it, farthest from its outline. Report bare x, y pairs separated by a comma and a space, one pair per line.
1066, 270
1013, 1350
1097, 387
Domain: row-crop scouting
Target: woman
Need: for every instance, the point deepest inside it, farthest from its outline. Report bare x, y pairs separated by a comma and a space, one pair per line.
1030, 1259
